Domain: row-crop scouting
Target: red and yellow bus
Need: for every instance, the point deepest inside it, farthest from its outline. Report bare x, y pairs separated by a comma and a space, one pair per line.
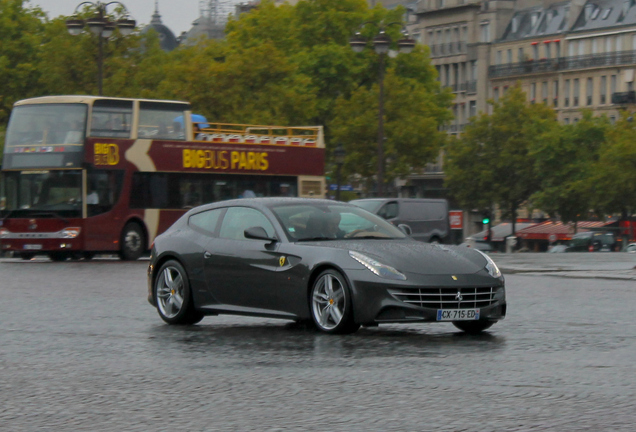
83, 174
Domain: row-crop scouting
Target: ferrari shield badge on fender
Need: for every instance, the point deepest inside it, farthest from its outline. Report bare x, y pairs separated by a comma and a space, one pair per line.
454, 277
281, 261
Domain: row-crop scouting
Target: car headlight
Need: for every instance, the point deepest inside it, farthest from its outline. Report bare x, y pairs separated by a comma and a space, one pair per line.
382, 270
491, 267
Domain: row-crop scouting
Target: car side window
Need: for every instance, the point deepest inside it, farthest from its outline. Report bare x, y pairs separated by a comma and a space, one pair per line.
206, 220
389, 210
238, 219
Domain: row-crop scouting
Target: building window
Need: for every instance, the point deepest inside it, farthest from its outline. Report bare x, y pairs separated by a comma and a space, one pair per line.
612, 119
535, 51
544, 92
472, 108
571, 48
582, 47
547, 51
613, 85
555, 94
575, 93
590, 90
566, 120
533, 92
485, 31
520, 55
509, 56
594, 45
566, 94
576, 120
619, 43
498, 58
603, 90
495, 93
557, 49
608, 44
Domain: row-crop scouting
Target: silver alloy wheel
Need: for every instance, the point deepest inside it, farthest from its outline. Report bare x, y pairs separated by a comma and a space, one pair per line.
132, 240
170, 292
328, 301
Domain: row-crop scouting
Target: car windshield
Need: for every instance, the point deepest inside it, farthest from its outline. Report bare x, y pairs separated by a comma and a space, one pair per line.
305, 222
371, 205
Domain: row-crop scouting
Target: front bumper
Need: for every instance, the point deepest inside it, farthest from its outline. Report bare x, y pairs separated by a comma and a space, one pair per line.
378, 301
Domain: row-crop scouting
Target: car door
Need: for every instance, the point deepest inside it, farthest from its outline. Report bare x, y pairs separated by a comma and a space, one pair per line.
240, 272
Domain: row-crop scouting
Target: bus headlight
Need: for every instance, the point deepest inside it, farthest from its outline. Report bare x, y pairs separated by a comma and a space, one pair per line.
70, 233
4, 233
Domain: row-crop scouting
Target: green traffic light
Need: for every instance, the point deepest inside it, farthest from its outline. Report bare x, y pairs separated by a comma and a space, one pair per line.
485, 221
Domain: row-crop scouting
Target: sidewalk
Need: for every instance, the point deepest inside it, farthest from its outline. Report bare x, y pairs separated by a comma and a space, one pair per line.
600, 265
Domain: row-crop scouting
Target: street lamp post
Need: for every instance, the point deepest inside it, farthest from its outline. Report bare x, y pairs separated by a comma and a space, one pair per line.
101, 26
381, 44
339, 156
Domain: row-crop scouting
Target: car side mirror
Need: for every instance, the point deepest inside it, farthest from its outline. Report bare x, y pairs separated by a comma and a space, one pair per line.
405, 229
258, 233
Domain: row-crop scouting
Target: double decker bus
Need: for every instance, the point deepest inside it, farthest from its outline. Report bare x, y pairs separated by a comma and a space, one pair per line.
83, 174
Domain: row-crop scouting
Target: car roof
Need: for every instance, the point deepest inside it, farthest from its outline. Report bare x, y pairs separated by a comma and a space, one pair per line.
270, 202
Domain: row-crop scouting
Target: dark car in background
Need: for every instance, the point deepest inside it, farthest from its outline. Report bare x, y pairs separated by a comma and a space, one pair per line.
426, 218
330, 263
592, 241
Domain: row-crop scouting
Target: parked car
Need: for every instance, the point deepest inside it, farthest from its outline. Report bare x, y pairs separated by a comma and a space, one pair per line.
631, 248
592, 241
330, 263
426, 218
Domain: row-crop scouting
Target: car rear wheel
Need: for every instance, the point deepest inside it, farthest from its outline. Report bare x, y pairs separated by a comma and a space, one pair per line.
473, 327
331, 304
173, 297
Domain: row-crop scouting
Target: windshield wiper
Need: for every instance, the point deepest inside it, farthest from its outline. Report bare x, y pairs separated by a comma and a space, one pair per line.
55, 215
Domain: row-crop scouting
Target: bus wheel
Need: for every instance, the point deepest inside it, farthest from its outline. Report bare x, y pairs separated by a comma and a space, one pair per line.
26, 255
88, 256
132, 242
58, 256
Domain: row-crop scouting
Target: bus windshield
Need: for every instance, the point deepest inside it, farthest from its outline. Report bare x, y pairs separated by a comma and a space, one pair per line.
47, 124
56, 193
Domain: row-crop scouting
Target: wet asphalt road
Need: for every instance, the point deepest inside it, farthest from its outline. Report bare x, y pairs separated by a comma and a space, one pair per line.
81, 349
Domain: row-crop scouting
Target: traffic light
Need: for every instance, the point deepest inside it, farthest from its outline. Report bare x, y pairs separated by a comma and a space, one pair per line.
485, 220
485, 217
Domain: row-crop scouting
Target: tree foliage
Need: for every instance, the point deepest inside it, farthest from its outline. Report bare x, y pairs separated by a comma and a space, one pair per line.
491, 163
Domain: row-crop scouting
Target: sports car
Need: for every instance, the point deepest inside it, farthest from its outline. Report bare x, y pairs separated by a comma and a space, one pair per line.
324, 262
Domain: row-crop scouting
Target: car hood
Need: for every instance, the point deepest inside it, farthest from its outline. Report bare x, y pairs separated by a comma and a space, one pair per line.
415, 257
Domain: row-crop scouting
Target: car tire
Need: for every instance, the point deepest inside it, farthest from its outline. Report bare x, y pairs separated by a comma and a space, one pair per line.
132, 242
173, 297
331, 305
473, 327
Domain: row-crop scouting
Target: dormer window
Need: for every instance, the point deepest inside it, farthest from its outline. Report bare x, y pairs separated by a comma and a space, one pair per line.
515, 24
595, 13
533, 19
606, 13
589, 8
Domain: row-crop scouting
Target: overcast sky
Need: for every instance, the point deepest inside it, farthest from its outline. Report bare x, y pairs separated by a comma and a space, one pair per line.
176, 14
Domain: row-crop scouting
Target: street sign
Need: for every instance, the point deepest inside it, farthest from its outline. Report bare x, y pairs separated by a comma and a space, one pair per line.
334, 187
552, 238
456, 219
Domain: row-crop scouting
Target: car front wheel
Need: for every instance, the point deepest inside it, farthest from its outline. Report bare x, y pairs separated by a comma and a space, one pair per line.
473, 327
331, 304
173, 297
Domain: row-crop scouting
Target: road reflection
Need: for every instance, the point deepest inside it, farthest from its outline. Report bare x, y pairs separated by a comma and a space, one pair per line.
268, 341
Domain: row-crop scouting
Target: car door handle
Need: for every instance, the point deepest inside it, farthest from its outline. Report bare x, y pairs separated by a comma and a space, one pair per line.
207, 255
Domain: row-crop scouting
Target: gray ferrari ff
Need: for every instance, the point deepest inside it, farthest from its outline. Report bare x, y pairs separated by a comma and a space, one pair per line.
326, 262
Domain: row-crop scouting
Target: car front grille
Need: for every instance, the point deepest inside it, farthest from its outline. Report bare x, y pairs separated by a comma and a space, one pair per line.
446, 298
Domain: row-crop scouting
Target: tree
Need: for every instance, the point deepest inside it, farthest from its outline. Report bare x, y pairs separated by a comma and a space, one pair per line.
20, 35
491, 162
613, 179
565, 161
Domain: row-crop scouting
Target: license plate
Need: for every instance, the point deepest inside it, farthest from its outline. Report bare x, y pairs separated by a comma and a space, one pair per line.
457, 314
33, 246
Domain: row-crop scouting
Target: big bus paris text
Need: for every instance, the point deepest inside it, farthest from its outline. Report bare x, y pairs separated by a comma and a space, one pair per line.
83, 175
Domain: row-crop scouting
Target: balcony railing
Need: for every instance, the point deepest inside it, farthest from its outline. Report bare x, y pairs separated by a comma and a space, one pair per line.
563, 63
445, 49
623, 98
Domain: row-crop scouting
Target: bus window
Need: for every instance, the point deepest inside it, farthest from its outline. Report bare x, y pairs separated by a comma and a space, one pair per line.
36, 125
103, 190
111, 118
158, 120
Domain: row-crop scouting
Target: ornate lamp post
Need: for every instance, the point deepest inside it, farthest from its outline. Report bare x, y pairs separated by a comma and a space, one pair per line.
339, 154
381, 43
101, 26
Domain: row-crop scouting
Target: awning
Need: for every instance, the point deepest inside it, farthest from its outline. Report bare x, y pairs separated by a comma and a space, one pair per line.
555, 231
500, 232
